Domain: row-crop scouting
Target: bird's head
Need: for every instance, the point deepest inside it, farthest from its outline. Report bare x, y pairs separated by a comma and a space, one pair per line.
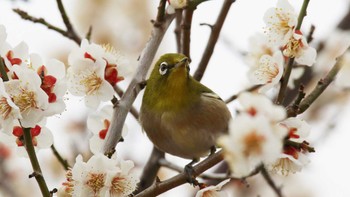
171, 67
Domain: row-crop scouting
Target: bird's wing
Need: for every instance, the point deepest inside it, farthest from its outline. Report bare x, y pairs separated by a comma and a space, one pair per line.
211, 95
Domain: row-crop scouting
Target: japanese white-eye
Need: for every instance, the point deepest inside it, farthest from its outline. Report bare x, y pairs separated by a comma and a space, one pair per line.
180, 115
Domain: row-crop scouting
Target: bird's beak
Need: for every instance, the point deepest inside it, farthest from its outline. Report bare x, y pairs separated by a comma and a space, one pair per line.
182, 63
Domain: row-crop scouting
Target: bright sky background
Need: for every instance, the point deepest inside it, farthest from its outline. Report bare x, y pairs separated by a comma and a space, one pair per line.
327, 175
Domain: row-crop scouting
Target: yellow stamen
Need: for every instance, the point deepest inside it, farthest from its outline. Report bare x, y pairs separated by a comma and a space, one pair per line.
92, 83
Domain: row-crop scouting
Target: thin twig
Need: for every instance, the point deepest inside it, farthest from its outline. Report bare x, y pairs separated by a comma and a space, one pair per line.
3, 70
177, 30
234, 97
150, 170
70, 30
210, 176
24, 15
271, 183
208, 52
288, 70
89, 33
310, 37
186, 32
284, 81
161, 13
292, 110
320, 87
35, 163
62, 161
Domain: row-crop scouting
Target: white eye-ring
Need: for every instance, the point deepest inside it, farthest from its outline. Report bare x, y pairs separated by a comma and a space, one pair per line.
163, 68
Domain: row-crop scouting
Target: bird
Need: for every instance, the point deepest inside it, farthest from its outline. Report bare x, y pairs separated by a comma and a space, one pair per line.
180, 115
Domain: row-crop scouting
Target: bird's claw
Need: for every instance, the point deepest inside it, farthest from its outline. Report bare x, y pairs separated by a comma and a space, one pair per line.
190, 174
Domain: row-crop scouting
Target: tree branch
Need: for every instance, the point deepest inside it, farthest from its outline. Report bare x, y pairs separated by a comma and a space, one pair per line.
60, 159
161, 187
3, 70
208, 52
177, 30
125, 103
212, 176
70, 30
271, 183
133, 110
24, 15
150, 170
28, 143
186, 31
320, 87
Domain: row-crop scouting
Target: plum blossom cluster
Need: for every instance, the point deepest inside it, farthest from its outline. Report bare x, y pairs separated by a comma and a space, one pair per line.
293, 159
100, 176
281, 41
261, 134
255, 135
93, 72
30, 91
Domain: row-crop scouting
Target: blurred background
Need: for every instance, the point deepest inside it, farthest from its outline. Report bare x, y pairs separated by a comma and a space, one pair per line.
126, 25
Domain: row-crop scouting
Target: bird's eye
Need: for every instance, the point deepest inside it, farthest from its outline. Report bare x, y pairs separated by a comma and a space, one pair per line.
163, 68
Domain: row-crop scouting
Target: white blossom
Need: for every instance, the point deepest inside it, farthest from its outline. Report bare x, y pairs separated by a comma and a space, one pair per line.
287, 164
27, 95
259, 46
100, 176
268, 71
86, 78
258, 104
280, 22
53, 82
292, 160
116, 65
93, 72
298, 48
8, 110
17, 55
213, 191
251, 141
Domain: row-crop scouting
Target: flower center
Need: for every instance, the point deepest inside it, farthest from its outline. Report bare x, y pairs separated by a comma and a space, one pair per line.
292, 48
253, 144
25, 100
119, 186
5, 108
92, 83
95, 182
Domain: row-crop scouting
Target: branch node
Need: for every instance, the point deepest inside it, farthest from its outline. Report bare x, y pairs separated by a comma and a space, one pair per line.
35, 174
54, 190
208, 25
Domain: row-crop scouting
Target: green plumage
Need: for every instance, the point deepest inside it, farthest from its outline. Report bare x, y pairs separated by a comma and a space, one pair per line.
180, 115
